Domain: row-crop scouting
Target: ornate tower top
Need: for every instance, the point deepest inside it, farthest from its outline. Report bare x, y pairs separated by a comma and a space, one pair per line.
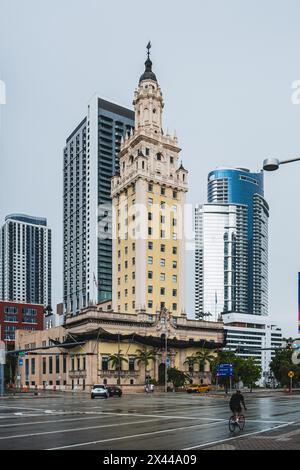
148, 74
147, 151
148, 100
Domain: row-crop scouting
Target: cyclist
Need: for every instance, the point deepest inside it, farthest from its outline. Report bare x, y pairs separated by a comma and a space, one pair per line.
235, 404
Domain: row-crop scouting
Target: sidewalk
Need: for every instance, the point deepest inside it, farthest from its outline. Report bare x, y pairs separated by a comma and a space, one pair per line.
286, 438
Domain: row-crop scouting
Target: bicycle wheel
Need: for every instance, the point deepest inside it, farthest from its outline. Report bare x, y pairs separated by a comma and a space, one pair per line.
232, 423
241, 422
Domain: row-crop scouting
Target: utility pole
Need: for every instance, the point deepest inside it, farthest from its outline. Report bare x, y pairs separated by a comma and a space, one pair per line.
166, 363
119, 365
2, 363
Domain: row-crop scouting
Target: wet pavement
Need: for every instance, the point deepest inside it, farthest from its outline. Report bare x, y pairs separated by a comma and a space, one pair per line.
147, 422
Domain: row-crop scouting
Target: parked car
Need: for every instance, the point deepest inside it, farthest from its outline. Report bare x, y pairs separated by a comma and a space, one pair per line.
99, 391
114, 391
198, 388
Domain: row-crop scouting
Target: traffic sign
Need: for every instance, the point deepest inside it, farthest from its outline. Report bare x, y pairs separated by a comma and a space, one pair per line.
2, 356
168, 362
22, 353
291, 374
225, 370
20, 362
2, 352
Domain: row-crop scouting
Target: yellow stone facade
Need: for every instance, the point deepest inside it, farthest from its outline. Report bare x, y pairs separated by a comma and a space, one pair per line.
104, 333
148, 212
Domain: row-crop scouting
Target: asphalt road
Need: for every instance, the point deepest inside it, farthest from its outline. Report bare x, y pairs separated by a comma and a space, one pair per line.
146, 422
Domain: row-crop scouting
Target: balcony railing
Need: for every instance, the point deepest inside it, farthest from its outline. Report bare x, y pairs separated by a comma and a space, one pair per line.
77, 374
199, 375
116, 374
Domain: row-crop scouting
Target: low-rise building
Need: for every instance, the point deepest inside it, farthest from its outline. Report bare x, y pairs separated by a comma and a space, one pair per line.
87, 345
253, 336
19, 316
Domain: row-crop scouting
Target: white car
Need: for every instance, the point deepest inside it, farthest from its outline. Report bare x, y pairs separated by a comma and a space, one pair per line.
99, 391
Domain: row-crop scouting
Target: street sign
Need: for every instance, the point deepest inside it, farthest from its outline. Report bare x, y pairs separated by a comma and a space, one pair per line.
22, 353
224, 370
2, 352
291, 374
20, 362
168, 362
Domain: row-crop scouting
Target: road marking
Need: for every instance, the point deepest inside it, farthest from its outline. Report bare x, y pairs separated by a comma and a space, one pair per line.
48, 421
236, 437
57, 431
21, 408
187, 417
155, 416
133, 436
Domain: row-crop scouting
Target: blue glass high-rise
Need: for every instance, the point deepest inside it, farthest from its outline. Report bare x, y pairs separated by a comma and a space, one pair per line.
240, 186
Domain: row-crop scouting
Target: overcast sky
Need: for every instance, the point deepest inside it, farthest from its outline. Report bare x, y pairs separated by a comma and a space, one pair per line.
226, 70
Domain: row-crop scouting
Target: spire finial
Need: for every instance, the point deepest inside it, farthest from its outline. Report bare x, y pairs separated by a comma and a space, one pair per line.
148, 74
149, 45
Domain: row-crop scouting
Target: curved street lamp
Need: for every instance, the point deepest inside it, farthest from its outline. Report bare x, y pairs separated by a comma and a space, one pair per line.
272, 164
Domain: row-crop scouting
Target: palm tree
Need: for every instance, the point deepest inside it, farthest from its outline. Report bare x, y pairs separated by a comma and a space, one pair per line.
144, 356
191, 361
204, 356
48, 310
116, 362
202, 315
289, 342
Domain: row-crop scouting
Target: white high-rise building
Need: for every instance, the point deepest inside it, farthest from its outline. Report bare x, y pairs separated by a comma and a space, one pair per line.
253, 336
25, 260
220, 259
90, 161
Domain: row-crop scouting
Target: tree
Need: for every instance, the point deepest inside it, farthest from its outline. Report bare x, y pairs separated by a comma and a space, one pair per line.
250, 372
202, 315
10, 367
144, 357
190, 361
227, 357
116, 362
204, 356
281, 364
48, 310
177, 377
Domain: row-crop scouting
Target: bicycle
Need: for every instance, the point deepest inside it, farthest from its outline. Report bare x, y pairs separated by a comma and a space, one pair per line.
236, 422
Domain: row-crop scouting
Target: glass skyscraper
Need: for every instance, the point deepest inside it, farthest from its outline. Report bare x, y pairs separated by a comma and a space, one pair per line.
90, 161
237, 216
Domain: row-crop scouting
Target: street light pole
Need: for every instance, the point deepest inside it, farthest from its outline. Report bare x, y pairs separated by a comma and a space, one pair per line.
119, 365
2, 362
272, 164
166, 364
